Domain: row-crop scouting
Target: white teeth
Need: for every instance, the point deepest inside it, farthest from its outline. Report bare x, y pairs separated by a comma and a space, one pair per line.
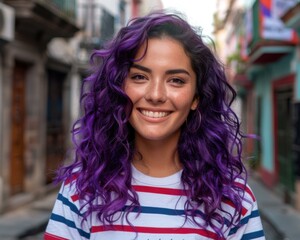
154, 114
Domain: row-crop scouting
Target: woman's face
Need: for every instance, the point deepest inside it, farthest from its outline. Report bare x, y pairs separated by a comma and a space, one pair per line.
162, 87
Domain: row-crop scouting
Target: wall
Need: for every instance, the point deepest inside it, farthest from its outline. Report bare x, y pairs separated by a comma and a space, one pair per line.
263, 78
297, 69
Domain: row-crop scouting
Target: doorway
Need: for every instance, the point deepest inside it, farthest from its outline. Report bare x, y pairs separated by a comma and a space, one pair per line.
284, 139
55, 146
18, 116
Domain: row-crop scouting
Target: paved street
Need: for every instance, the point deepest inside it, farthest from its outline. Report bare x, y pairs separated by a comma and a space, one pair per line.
38, 236
270, 232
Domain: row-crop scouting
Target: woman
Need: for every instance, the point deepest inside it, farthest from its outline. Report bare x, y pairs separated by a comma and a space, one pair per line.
158, 149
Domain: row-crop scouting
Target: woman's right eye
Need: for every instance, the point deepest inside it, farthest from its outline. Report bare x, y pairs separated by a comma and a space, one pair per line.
138, 77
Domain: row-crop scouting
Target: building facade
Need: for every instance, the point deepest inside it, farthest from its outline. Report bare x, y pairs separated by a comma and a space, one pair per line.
268, 84
34, 98
45, 48
291, 18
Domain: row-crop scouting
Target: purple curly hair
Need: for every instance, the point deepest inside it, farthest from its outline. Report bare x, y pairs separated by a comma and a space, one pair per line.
210, 146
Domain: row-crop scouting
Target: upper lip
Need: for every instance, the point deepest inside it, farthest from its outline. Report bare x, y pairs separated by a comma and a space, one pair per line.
153, 109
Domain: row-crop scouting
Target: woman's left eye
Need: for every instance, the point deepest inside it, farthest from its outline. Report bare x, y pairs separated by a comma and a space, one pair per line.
177, 81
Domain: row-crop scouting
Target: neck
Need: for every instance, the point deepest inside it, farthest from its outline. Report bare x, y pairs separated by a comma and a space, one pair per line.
156, 159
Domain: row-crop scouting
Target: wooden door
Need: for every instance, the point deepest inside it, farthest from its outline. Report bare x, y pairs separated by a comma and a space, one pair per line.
17, 146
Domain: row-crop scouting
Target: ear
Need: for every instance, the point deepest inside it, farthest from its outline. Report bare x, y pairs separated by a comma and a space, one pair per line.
195, 103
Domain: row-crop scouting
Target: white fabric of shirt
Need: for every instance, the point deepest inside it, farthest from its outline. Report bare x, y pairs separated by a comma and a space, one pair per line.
161, 218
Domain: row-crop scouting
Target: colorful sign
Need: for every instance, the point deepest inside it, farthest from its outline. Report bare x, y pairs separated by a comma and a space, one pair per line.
271, 26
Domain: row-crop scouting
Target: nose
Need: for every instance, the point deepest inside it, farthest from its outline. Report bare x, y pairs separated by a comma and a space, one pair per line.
156, 91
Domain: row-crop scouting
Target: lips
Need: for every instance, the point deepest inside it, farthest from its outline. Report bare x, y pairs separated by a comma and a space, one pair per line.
154, 114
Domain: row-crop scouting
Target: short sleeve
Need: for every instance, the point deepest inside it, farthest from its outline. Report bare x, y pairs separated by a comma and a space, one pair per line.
66, 220
249, 226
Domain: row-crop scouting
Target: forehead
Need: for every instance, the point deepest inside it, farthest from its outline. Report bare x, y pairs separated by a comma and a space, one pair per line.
164, 48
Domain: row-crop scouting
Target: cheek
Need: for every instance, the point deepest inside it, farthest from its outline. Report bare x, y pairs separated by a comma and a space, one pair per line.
133, 95
134, 92
129, 91
183, 100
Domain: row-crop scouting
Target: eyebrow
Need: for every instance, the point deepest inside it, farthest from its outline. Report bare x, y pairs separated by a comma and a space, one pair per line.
171, 71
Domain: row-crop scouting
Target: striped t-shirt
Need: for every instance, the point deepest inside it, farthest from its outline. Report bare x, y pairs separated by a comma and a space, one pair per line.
160, 217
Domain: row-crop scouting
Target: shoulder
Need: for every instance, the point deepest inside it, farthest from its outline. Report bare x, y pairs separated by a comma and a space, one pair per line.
67, 219
249, 208
69, 186
249, 223
245, 190
244, 200
246, 194
68, 194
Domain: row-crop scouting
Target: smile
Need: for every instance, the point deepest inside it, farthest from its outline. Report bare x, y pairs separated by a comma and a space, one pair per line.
154, 114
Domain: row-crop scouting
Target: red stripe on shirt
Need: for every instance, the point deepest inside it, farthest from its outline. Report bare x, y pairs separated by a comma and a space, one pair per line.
75, 197
48, 236
230, 203
155, 230
71, 178
247, 189
159, 190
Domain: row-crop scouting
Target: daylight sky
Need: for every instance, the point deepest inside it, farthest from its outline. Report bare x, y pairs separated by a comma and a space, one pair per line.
199, 13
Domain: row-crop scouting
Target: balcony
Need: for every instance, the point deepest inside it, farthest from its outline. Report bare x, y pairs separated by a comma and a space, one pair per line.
45, 19
270, 38
292, 17
238, 76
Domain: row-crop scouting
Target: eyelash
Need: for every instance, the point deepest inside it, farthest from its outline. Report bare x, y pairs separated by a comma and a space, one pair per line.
174, 80
178, 81
138, 77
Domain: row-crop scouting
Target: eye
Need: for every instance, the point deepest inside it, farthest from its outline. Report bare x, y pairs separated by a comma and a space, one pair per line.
138, 77
177, 81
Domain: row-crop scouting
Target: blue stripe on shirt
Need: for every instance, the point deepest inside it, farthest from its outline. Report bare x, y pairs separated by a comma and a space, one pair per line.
70, 224
166, 211
157, 210
253, 235
244, 221
66, 202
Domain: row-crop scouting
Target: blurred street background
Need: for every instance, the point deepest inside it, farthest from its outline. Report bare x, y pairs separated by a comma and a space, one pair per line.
45, 47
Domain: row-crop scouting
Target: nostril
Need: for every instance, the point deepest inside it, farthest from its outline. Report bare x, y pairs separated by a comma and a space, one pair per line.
156, 94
